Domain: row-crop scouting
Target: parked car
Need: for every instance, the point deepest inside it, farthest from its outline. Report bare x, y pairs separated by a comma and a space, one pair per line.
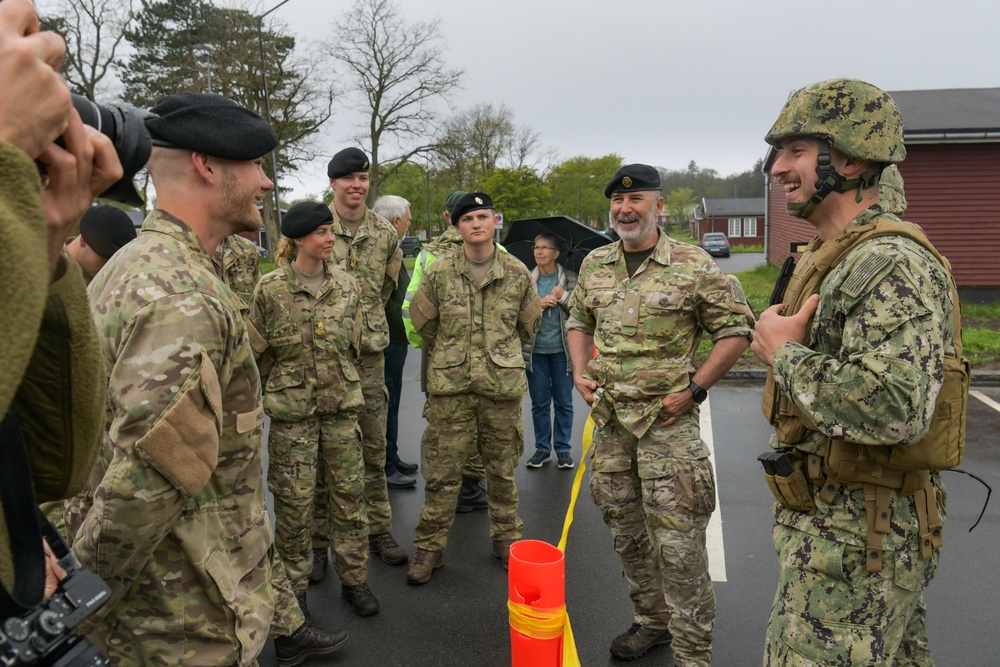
410, 245
715, 244
261, 250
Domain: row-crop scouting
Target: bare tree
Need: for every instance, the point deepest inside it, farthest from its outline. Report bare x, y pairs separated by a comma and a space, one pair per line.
478, 141
93, 31
396, 67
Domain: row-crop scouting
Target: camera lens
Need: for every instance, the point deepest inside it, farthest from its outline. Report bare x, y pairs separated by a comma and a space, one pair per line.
123, 125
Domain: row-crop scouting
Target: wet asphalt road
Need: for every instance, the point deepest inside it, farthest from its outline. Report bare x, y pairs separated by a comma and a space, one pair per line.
460, 617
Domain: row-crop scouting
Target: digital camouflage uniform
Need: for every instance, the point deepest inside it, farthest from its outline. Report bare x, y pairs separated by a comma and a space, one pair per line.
449, 241
869, 374
475, 384
174, 519
306, 346
655, 485
237, 262
373, 258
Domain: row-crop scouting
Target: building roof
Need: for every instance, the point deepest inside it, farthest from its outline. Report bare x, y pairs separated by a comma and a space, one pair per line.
733, 206
951, 114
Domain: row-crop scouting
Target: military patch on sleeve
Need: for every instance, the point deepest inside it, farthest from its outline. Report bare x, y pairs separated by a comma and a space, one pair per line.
858, 283
738, 294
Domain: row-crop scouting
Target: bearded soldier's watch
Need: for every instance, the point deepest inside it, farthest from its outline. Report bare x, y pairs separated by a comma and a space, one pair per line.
699, 392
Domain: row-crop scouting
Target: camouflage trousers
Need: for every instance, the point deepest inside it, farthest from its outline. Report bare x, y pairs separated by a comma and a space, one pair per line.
297, 451
456, 427
829, 610
288, 617
657, 502
371, 418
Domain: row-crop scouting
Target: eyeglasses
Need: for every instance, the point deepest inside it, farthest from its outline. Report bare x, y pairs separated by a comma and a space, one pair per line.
542, 247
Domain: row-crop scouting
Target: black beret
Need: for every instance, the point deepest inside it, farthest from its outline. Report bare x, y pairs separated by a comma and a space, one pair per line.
210, 124
304, 217
470, 201
347, 162
106, 229
633, 178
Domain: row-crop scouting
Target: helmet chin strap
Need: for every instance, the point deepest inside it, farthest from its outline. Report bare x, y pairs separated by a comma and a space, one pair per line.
830, 180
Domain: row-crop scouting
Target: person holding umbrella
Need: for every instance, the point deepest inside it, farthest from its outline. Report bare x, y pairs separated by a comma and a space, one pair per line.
550, 373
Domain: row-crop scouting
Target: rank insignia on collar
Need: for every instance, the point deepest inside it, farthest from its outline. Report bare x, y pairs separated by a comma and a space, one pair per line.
627, 182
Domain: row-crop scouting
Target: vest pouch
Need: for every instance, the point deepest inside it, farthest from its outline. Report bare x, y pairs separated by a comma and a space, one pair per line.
795, 490
944, 445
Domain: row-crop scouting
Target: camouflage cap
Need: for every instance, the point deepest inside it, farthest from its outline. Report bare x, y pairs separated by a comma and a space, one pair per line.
890, 190
858, 119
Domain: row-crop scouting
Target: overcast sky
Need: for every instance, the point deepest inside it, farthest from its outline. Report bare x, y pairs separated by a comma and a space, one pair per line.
666, 82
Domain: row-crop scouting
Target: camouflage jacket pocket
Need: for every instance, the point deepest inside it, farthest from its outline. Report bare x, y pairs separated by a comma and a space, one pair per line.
286, 397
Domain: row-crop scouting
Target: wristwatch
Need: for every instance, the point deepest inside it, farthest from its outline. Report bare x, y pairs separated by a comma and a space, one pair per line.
699, 392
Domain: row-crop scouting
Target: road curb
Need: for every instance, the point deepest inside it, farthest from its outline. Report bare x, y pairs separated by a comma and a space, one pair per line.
757, 375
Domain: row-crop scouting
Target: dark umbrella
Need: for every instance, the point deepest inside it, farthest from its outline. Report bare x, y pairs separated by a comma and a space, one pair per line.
576, 240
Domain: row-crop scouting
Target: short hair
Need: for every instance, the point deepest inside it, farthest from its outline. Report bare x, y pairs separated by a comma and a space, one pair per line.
551, 238
390, 207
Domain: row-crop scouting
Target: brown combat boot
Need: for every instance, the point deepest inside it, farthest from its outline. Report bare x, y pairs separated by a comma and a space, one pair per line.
423, 566
501, 550
319, 566
387, 547
634, 642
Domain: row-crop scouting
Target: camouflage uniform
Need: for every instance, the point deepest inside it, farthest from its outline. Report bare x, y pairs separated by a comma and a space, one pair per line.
869, 374
237, 262
175, 519
447, 242
655, 485
306, 346
373, 258
475, 384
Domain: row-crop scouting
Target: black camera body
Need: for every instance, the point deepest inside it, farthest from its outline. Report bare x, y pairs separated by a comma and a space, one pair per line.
46, 635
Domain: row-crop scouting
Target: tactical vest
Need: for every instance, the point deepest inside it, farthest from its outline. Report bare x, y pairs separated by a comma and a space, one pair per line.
876, 469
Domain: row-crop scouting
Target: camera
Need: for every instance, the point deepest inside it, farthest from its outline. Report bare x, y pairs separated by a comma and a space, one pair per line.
125, 126
46, 634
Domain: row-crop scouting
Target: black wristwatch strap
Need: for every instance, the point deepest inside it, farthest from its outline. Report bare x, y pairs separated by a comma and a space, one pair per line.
699, 392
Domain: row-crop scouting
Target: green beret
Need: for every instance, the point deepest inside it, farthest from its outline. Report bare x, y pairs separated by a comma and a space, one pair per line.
633, 178
470, 201
305, 217
449, 201
106, 229
347, 162
210, 124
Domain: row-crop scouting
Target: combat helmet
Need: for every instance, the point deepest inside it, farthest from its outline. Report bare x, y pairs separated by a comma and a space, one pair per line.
858, 119
891, 195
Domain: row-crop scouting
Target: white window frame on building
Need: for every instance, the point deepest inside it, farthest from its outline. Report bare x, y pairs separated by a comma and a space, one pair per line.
749, 226
735, 228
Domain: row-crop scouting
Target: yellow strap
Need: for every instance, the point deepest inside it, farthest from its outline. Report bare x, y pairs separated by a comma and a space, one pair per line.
535, 622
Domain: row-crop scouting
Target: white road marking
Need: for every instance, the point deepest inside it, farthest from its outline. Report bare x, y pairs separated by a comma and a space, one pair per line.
713, 535
985, 399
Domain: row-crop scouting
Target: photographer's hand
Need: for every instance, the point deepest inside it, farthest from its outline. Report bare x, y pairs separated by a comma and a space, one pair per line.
35, 105
74, 175
53, 571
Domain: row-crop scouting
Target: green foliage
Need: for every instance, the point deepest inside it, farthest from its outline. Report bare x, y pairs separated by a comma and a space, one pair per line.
678, 206
178, 44
410, 181
517, 193
576, 188
746, 248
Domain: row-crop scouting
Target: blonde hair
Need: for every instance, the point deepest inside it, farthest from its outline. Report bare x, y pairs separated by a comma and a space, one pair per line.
286, 249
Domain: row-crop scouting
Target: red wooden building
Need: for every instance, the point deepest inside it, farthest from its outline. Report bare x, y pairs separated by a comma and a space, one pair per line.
741, 219
952, 180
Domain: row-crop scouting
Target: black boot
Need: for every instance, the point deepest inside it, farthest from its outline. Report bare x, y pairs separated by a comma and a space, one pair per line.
361, 598
305, 642
319, 566
472, 496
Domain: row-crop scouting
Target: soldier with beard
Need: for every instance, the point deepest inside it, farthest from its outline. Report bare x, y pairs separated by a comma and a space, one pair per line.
174, 519
646, 301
